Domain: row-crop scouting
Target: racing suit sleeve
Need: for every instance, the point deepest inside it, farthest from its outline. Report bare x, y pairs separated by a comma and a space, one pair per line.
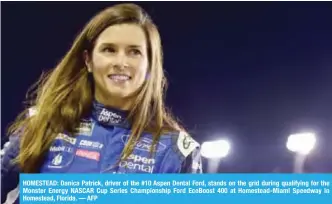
9, 170
189, 151
193, 163
183, 156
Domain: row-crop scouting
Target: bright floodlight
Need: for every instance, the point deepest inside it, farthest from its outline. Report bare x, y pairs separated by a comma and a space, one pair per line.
301, 143
215, 149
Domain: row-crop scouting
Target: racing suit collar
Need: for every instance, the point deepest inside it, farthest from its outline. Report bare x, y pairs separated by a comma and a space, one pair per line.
109, 116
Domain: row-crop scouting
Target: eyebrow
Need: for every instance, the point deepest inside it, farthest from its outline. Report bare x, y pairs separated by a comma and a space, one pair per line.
114, 45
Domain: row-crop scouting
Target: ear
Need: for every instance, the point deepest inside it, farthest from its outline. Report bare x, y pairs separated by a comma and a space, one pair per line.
87, 60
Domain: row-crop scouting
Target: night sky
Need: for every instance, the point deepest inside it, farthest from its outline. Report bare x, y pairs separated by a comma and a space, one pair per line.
252, 72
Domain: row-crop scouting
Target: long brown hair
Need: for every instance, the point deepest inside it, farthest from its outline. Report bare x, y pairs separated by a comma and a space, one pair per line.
65, 94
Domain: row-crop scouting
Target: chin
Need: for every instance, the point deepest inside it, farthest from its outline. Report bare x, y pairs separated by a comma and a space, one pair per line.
118, 93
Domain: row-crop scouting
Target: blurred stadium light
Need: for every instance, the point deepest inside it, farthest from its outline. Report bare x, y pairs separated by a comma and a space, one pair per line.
302, 144
214, 151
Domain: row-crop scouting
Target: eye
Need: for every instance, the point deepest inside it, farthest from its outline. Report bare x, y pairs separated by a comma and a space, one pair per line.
108, 49
135, 52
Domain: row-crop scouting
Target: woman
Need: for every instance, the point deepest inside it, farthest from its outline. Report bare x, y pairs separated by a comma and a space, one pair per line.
101, 109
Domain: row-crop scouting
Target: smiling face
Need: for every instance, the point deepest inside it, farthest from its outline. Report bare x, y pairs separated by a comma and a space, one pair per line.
119, 62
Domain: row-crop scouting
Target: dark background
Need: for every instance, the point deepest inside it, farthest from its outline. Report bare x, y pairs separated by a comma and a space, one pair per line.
252, 72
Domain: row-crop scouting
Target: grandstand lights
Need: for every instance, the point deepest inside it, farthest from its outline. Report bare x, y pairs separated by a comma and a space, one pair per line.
301, 143
215, 149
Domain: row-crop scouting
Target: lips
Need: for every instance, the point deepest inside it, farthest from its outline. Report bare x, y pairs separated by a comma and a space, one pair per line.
119, 77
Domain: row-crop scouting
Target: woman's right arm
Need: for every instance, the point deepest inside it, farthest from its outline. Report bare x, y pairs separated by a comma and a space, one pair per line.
9, 170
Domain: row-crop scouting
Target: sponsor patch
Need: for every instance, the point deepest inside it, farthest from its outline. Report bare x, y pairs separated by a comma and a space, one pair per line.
61, 149
85, 128
88, 154
66, 138
137, 163
109, 117
91, 144
145, 144
186, 144
57, 160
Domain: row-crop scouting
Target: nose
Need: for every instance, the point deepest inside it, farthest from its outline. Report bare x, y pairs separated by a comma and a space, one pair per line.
120, 61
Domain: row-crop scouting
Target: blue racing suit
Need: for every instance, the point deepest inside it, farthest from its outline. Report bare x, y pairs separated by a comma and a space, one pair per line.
97, 147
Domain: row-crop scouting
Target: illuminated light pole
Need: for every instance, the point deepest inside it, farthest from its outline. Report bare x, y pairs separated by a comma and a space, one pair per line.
214, 151
301, 144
